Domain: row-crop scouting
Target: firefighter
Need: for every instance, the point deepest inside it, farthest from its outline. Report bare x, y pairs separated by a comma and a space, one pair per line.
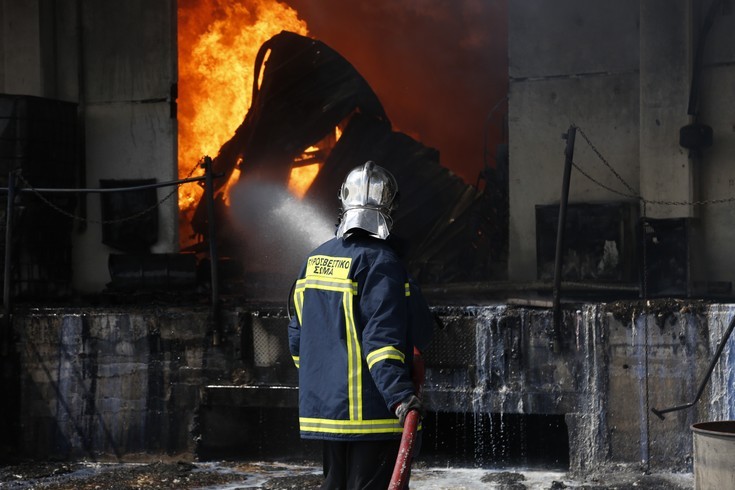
359, 321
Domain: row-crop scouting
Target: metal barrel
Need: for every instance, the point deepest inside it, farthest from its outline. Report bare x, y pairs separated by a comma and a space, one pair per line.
714, 455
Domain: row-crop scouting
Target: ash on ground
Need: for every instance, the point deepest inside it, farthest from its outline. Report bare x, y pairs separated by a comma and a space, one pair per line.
307, 476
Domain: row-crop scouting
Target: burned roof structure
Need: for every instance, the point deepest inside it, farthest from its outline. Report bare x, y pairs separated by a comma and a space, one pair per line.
452, 231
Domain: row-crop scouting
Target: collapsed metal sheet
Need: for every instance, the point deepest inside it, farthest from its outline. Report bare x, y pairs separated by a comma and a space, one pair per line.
307, 90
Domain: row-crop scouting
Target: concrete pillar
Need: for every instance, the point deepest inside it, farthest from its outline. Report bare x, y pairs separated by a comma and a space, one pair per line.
3, 17
666, 172
128, 66
22, 48
38, 47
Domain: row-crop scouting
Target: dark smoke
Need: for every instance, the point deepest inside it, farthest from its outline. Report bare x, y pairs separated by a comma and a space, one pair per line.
438, 67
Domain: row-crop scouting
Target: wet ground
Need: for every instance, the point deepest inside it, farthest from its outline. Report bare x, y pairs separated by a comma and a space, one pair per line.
276, 476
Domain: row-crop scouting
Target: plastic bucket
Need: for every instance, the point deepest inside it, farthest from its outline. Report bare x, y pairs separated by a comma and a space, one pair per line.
714, 455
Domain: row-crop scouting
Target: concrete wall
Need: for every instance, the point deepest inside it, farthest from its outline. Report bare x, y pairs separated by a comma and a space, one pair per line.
129, 68
112, 384
572, 62
118, 383
621, 72
117, 61
21, 33
717, 172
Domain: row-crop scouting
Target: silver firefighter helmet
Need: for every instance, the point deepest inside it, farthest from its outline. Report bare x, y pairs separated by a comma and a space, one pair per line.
368, 196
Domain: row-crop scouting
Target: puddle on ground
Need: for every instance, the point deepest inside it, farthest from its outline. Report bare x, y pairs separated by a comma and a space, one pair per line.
307, 476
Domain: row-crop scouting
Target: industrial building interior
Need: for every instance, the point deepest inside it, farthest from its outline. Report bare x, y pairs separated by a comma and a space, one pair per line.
565, 199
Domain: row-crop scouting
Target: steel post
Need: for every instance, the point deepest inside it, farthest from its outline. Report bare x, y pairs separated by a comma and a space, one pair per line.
7, 271
564, 201
213, 258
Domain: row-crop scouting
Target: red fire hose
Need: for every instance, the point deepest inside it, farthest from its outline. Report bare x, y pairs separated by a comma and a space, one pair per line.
403, 462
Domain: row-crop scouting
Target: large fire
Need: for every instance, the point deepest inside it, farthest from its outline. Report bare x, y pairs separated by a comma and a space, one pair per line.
218, 41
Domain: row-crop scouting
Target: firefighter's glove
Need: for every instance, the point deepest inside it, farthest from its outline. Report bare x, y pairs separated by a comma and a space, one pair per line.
411, 403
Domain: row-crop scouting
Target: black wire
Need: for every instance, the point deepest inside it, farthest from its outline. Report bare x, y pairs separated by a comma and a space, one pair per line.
111, 189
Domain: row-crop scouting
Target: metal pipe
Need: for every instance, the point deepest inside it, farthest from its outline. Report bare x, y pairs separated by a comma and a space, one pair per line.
7, 270
712, 364
563, 203
213, 259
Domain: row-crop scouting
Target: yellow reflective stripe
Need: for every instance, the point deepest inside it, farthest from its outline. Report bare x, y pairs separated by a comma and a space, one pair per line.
387, 352
354, 360
295, 360
323, 283
298, 299
339, 285
348, 288
380, 426
408, 289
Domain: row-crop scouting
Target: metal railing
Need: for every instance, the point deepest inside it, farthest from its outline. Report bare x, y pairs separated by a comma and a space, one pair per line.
13, 189
629, 193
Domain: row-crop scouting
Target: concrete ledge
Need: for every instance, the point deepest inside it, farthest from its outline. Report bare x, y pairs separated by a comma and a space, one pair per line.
251, 396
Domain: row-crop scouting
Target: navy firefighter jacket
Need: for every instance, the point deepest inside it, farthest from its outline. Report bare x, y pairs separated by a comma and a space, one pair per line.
352, 339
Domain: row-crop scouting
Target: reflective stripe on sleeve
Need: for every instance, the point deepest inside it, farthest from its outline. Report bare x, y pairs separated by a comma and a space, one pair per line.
387, 352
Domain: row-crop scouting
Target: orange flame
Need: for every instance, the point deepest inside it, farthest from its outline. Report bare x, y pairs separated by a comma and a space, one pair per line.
218, 41
307, 166
301, 178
